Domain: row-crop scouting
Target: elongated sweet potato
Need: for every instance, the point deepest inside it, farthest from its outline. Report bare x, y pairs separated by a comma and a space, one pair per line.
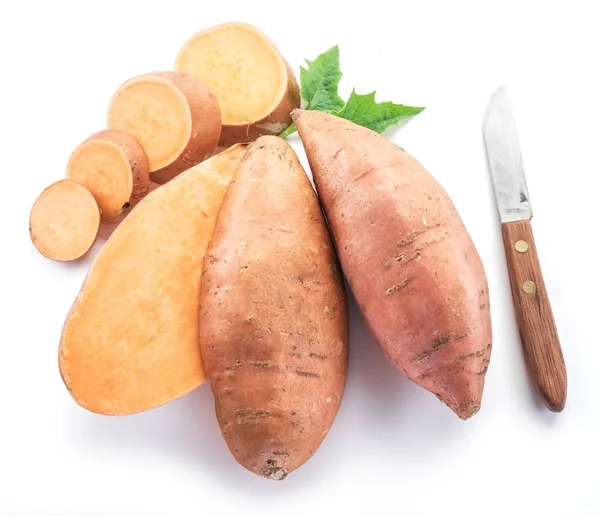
410, 262
173, 115
273, 322
255, 86
130, 341
64, 221
114, 168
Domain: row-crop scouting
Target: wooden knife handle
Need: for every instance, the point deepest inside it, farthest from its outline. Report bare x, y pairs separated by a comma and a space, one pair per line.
539, 337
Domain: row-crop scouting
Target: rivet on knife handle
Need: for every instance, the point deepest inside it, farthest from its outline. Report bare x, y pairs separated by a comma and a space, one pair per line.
539, 337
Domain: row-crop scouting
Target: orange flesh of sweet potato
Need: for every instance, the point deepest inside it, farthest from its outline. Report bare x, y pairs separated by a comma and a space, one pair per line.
255, 86
64, 221
273, 322
114, 168
173, 115
410, 262
130, 341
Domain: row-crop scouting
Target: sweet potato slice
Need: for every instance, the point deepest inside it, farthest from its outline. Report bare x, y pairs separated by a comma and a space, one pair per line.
113, 167
274, 321
64, 221
255, 86
130, 341
412, 266
173, 115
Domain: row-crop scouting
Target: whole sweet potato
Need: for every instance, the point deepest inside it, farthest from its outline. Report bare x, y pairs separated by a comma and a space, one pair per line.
410, 262
273, 316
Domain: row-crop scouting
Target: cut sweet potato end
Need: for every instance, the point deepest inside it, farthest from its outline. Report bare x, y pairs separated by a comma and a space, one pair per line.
241, 66
103, 168
64, 221
130, 342
156, 113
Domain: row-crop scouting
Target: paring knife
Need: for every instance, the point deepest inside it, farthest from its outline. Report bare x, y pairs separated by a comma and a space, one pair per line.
539, 337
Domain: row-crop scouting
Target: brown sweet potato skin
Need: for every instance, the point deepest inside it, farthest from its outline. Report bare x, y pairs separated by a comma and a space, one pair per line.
410, 262
273, 317
206, 122
137, 161
274, 123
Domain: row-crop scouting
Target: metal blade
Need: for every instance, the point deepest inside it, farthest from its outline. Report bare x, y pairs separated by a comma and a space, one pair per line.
504, 156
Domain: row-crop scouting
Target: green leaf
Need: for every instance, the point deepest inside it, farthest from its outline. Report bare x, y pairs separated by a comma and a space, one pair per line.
320, 82
319, 88
363, 110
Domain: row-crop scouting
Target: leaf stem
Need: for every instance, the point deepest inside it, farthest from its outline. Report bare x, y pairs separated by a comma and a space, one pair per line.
290, 130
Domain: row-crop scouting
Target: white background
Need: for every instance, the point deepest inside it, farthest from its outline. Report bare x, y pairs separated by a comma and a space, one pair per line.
394, 448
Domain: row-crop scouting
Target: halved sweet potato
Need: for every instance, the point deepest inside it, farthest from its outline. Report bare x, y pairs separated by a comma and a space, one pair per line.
64, 221
255, 86
130, 341
173, 115
113, 167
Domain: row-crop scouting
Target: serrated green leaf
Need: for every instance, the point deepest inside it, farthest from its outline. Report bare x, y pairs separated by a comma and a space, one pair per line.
320, 82
363, 110
319, 88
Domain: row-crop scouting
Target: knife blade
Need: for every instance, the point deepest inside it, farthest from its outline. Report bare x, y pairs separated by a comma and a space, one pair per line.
537, 328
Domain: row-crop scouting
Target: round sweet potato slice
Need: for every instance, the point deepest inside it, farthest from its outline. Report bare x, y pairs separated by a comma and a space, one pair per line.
113, 167
255, 86
173, 115
64, 221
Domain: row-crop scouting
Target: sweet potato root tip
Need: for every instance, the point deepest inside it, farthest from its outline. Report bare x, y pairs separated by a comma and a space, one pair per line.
255, 100
173, 115
273, 318
113, 167
416, 274
273, 472
64, 221
130, 342
296, 113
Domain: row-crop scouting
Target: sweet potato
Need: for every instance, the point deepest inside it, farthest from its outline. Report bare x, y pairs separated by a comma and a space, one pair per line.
130, 341
173, 115
410, 262
114, 168
255, 86
64, 221
273, 322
